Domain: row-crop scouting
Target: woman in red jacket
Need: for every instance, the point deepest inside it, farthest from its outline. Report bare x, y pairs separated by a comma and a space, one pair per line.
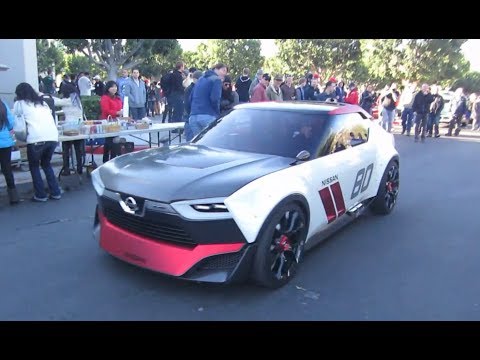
110, 104
352, 97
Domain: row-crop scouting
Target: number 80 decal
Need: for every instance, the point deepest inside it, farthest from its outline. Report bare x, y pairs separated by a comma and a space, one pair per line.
362, 181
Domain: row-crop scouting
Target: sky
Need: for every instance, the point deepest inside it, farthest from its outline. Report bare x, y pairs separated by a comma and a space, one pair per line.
268, 45
471, 49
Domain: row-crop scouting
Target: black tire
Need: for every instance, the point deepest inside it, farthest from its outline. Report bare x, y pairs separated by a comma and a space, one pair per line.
281, 244
387, 194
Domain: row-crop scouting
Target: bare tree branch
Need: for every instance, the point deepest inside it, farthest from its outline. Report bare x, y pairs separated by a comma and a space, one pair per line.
131, 53
89, 55
131, 64
118, 50
109, 53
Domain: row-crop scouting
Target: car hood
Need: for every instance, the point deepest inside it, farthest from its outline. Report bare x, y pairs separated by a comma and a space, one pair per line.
186, 172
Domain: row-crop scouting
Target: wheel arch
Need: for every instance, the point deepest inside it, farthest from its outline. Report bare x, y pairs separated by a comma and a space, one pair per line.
296, 198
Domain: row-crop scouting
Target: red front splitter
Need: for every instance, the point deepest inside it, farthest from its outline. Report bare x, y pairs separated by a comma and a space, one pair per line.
162, 257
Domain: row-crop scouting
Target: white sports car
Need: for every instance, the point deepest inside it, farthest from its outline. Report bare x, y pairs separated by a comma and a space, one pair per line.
249, 195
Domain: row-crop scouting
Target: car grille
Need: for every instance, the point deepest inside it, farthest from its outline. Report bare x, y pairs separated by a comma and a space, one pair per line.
152, 230
220, 262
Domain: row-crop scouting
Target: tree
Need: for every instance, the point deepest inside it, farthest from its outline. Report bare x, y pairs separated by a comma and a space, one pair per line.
434, 60
383, 61
49, 55
470, 82
194, 58
328, 57
274, 65
81, 63
235, 53
113, 54
160, 64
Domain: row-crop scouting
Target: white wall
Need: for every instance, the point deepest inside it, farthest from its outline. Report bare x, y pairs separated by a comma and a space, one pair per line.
21, 56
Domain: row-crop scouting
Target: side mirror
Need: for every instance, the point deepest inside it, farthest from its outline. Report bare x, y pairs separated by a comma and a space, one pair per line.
303, 155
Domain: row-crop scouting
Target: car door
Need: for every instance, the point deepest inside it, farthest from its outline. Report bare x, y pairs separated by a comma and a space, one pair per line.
343, 168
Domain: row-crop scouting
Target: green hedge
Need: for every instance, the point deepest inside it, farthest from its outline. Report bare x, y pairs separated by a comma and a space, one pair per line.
91, 107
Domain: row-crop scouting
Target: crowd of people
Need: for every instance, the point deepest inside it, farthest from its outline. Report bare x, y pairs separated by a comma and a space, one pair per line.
198, 98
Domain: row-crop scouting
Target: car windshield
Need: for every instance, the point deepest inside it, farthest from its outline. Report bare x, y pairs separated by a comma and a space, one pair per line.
274, 132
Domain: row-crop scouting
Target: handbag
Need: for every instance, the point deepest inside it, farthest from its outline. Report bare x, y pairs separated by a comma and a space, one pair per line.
20, 126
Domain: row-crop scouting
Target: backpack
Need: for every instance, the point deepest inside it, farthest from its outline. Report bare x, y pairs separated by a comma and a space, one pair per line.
165, 83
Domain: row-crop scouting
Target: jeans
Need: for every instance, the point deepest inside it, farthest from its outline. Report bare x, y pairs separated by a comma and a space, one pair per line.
188, 131
6, 166
138, 113
420, 125
457, 119
176, 103
199, 122
433, 121
151, 107
407, 117
108, 152
167, 111
40, 154
387, 119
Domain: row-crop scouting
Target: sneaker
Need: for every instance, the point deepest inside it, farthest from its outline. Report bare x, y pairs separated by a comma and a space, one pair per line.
39, 199
437, 136
55, 197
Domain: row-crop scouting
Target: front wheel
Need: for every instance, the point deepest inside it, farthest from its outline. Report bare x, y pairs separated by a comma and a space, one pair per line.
388, 190
281, 245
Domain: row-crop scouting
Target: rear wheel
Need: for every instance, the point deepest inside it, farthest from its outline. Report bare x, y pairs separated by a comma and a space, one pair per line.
281, 245
388, 190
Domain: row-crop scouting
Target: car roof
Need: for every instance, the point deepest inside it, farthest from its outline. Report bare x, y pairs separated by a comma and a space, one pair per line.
314, 106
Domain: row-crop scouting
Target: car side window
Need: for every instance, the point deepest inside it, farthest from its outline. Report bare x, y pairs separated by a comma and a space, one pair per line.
358, 130
345, 131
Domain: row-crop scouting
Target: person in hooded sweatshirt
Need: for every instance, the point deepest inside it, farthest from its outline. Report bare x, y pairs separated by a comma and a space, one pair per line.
242, 85
205, 99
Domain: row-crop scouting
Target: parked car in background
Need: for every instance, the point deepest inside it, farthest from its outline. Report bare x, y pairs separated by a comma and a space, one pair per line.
446, 114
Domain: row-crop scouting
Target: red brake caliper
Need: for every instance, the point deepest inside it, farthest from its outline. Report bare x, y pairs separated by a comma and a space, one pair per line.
284, 243
389, 186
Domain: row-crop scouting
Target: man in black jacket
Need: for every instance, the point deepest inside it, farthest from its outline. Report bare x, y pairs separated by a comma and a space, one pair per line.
421, 108
436, 108
242, 85
176, 92
367, 99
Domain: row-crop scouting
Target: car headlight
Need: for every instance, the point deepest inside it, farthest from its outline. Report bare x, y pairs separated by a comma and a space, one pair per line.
218, 207
97, 182
202, 209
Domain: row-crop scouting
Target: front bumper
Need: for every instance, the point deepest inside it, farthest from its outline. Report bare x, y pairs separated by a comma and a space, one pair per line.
214, 262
